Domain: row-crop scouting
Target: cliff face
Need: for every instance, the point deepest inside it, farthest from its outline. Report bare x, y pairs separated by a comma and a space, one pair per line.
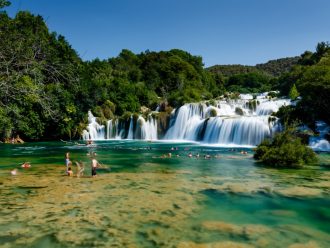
163, 122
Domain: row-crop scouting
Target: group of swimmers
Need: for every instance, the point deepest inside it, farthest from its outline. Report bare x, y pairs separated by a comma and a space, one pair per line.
25, 165
80, 165
197, 155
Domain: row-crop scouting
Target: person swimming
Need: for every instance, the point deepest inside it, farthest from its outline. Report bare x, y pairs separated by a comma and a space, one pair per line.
67, 161
70, 172
94, 164
80, 168
13, 172
26, 165
207, 156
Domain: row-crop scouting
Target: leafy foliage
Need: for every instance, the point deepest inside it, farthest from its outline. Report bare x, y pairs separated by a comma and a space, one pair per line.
252, 79
36, 70
231, 70
312, 80
278, 67
285, 151
248, 83
4, 3
293, 94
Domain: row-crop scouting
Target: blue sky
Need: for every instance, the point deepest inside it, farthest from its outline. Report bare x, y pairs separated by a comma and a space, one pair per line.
221, 31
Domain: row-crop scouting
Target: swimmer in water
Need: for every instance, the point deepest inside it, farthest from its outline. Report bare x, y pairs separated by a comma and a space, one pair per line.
94, 164
80, 168
67, 161
207, 156
70, 172
26, 165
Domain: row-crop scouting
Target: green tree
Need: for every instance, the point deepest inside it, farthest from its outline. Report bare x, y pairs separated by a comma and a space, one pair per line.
285, 150
314, 87
293, 94
4, 3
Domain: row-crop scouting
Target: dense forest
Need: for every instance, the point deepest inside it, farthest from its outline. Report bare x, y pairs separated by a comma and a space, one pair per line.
272, 68
47, 89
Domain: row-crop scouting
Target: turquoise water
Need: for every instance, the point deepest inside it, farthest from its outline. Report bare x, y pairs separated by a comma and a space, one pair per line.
142, 198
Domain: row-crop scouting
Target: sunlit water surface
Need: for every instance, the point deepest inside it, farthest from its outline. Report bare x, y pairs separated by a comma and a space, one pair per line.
140, 199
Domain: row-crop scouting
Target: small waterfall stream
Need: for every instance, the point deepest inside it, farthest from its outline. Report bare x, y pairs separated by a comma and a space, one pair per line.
130, 130
94, 130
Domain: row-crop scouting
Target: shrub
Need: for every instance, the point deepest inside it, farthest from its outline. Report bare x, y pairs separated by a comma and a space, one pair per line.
272, 94
285, 150
213, 112
252, 104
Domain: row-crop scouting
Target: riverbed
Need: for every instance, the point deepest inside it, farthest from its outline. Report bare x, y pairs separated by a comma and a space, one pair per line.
144, 197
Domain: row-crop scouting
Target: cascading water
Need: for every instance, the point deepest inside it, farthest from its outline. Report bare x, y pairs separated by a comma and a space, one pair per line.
237, 131
130, 131
185, 119
243, 121
319, 143
269, 107
148, 129
115, 129
227, 123
94, 130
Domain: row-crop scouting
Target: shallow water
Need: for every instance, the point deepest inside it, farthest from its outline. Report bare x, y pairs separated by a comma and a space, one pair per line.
140, 199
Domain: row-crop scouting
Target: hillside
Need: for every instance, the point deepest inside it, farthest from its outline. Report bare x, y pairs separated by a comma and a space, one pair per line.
273, 68
278, 66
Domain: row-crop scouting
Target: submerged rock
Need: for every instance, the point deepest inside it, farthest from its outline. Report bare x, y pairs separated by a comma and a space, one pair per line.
225, 244
298, 191
249, 231
310, 244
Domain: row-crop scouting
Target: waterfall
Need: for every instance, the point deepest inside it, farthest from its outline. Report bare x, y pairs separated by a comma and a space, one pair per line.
148, 129
109, 129
94, 130
229, 122
242, 121
119, 132
269, 107
319, 143
187, 118
130, 130
236, 131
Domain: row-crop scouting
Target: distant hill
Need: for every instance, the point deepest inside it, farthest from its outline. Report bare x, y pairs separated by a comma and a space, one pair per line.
278, 66
272, 68
231, 70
